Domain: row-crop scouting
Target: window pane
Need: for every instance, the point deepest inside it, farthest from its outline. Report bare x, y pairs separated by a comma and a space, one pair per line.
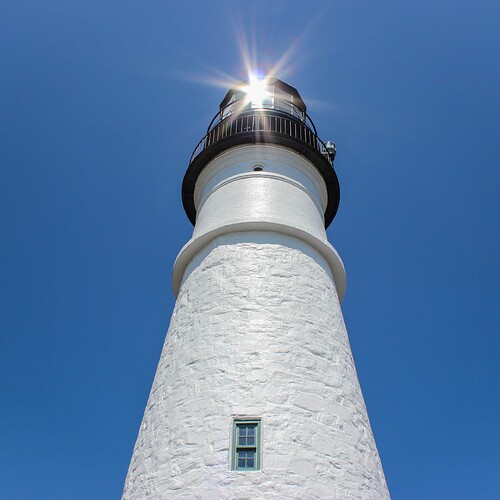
285, 106
268, 102
245, 446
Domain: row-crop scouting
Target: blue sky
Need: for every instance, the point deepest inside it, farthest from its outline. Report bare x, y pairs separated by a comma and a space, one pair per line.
102, 104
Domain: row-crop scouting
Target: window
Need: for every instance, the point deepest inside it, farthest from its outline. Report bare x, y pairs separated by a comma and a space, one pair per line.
246, 445
228, 110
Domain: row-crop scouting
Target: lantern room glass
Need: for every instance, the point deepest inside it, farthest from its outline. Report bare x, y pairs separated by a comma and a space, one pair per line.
271, 98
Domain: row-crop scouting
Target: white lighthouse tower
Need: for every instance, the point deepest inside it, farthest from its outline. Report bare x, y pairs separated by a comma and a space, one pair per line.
256, 394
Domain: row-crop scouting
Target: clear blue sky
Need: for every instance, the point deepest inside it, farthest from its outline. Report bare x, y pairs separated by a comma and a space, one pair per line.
101, 106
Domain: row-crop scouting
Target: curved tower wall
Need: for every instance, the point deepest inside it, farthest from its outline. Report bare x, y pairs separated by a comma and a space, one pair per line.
257, 332
288, 195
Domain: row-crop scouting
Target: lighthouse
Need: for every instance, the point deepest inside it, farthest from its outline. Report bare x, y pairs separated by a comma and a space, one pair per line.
256, 394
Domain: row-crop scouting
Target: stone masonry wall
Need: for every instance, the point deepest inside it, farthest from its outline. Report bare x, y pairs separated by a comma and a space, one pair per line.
257, 331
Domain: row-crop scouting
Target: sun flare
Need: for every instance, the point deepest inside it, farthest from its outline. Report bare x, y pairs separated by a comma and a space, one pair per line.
256, 91
258, 62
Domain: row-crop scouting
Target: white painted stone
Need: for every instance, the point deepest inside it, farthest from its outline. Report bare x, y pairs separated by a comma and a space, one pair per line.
257, 331
292, 367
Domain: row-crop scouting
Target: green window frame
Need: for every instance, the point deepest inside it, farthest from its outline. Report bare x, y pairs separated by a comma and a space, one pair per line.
245, 454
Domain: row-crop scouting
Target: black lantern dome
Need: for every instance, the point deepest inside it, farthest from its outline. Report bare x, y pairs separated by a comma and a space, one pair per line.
265, 111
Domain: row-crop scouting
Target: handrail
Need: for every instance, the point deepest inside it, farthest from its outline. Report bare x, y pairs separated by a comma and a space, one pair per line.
261, 120
240, 106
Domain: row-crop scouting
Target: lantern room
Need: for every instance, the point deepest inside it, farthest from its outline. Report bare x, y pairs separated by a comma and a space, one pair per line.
264, 94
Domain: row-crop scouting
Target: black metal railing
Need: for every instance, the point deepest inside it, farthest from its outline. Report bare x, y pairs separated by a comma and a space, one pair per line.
279, 104
262, 121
